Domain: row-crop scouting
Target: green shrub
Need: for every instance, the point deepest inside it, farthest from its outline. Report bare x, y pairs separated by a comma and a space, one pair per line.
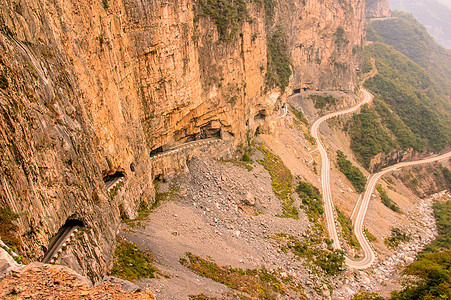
311, 249
353, 173
131, 263
281, 181
227, 15
433, 265
347, 229
323, 101
369, 235
8, 229
279, 62
386, 200
397, 236
368, 138
311, 200
299, 115
259, 283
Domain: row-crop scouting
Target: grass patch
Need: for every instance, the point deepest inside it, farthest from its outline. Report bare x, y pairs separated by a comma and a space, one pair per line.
239, 163
131, 263
348, 231
281, 181
369, 235
288, 210
367, 296
299, 115
279, 62
311, 249
227, 15
115, 190
353, 173
144, 209
397, 236
311, 200
323, 101
433, 265
8, 230
259, 283
201, 297
386, 200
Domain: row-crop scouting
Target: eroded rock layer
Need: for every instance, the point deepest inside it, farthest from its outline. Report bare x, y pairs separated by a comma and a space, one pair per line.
93, 89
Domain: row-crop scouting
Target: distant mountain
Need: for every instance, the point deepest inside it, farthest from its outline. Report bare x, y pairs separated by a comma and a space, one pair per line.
446, 2
435, 15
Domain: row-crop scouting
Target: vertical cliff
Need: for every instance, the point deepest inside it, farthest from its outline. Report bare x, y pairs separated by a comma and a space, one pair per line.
377, 9
95, 89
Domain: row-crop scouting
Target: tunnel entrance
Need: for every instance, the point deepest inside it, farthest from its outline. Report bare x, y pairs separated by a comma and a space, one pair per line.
260, 116
156, 151
61, 237
296, 91
113, 177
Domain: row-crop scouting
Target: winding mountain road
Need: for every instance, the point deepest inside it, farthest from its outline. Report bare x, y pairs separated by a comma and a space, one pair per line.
325, 167
370, 256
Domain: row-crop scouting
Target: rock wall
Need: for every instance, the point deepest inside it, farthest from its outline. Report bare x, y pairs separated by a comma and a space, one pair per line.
92, 88
377, 9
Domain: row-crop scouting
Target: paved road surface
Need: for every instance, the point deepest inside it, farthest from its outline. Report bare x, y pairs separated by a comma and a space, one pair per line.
325, 167
358, 226
364, 201
57, 243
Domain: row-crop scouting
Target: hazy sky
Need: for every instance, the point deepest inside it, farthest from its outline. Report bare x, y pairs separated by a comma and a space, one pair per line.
446, 2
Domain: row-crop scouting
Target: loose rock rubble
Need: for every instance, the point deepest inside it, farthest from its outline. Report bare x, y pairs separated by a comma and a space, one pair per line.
422, 230
42, 281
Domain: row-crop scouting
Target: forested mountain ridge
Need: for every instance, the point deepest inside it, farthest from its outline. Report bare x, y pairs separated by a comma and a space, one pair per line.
434, 15
412, 91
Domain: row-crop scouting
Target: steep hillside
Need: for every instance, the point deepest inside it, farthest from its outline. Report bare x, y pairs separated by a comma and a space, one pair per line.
377, 9
412, 108
434, 15
91, 91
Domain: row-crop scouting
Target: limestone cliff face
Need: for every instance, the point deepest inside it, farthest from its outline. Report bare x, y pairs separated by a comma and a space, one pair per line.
377, 9
95, 88
326, 40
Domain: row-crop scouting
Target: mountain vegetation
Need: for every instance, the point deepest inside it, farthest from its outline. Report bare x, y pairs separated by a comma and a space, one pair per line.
353, 173
433, 265
412, 89
433, 14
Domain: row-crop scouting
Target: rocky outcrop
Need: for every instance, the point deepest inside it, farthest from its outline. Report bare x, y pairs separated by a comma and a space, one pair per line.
41, 281
377, 9
93, 89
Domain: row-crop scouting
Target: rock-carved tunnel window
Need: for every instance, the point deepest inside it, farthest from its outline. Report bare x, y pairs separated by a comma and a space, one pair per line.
156, 151
61, 238
111, 179
260, 116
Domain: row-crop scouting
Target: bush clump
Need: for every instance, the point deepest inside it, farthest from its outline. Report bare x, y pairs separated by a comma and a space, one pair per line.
397, 236
8, 229
227, 15
353, 173
386, 200
311, 200
259, 283
279, 62
131, 263
323, 101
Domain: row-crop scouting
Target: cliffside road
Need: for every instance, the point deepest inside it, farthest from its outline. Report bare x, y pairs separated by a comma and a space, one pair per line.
58, 242
358, 226
325, 166
363, 201
185, 146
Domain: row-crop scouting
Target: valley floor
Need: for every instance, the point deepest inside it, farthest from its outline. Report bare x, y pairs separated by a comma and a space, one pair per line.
228, 214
